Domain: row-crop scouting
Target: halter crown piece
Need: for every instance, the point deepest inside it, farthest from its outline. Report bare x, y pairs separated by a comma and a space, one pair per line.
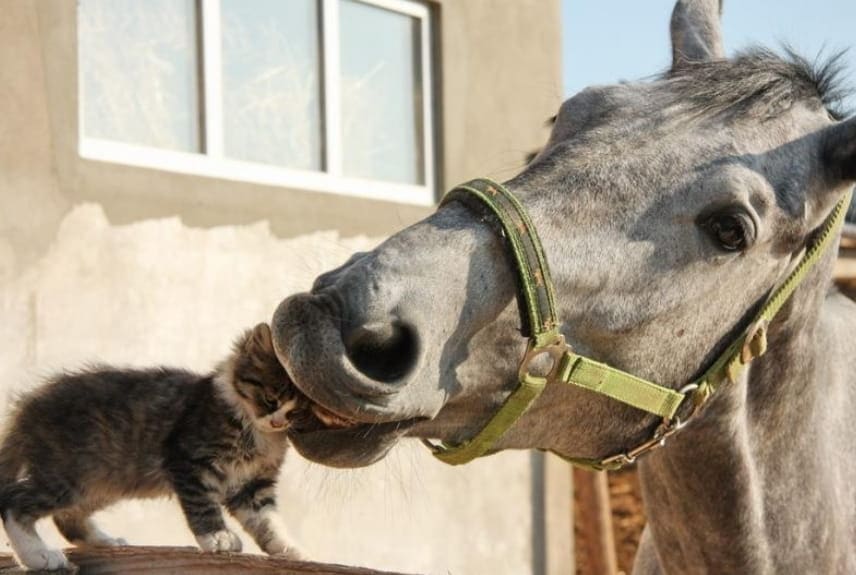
537, 305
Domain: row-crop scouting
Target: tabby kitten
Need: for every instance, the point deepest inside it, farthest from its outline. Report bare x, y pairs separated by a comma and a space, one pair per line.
86, 440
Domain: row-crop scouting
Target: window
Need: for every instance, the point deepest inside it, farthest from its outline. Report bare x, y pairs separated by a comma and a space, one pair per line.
271, 85
328, 95
124, 43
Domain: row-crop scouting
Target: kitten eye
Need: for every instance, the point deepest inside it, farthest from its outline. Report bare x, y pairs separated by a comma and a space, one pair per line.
270, 401
251, 381
732, 229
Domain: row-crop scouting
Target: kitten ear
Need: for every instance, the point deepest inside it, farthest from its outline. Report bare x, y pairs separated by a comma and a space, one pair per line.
261, 336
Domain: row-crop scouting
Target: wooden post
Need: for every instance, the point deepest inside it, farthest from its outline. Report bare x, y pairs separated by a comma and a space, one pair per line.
558, 516
597, 543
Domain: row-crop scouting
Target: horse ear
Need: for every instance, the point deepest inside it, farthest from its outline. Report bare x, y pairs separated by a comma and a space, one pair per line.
696, 34
839, 152
836, 168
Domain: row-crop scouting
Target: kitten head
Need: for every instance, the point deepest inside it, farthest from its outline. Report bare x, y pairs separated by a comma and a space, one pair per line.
263, 387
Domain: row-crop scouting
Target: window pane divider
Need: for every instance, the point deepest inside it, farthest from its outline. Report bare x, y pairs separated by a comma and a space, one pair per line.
212, 77
331, 87
427, 100
410, 8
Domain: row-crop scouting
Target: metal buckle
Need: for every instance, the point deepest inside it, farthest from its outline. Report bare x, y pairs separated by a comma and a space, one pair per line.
666, 429
696, 405
555, 349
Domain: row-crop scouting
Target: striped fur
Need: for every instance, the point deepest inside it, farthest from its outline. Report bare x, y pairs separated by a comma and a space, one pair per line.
88, 439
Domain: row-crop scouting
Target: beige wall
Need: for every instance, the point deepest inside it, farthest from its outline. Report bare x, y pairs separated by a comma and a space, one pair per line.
501, 81
136, 266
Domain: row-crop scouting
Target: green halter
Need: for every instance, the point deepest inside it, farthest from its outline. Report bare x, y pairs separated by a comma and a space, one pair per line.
540, 325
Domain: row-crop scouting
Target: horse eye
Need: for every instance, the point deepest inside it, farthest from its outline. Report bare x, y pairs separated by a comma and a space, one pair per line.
733, 230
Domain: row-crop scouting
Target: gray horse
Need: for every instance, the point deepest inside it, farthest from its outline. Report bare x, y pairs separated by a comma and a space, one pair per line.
669, 210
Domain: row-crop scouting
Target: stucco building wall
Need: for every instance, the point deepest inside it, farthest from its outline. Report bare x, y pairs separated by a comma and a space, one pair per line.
110, 263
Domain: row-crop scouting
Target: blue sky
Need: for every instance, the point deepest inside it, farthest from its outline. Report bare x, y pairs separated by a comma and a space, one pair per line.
610, 40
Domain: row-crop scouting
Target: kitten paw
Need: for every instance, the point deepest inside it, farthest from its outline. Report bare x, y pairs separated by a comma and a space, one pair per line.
218, 541
278, 548
107, 541
46, 560
292, 553
101, 540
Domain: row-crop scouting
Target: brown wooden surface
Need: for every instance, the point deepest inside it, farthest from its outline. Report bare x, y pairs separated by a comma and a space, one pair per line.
848, 236
186, 560
628, 516
845, 267
595, 549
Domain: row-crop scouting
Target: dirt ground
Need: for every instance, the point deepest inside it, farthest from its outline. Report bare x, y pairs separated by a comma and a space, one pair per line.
628, 519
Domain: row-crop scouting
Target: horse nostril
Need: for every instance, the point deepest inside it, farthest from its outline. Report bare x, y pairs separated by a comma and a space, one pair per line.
385, 352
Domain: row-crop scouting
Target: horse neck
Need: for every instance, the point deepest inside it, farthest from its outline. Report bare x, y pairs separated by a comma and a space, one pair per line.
705, 493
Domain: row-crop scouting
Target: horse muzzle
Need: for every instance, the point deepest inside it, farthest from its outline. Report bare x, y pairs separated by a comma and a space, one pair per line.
359, 372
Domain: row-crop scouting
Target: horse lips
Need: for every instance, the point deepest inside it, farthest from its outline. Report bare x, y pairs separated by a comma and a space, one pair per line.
330, 419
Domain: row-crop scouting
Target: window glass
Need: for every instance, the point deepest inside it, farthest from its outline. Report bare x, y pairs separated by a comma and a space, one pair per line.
381, 96
271, 82
139, 78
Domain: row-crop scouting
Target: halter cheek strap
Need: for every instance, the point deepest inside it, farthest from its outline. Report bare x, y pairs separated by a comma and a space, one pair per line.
536, 300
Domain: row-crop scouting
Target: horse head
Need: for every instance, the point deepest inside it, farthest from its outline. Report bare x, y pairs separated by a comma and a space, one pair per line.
668, 209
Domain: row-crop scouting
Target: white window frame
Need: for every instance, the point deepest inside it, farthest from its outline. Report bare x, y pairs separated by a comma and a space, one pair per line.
213, 163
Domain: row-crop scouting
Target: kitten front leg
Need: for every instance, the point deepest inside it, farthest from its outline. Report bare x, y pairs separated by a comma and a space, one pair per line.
254, 506
202, 511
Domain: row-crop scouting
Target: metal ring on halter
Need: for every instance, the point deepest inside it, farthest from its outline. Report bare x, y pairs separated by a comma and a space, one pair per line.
690, 387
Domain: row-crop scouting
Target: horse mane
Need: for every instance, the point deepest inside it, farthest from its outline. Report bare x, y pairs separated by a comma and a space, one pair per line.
760, 83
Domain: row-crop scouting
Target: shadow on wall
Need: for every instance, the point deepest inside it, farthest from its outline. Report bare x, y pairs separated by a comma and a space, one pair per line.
158, 292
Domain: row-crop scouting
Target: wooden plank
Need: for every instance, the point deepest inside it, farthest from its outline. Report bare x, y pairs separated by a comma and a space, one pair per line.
845, 268
186, 560
559, 516
595, 523
848, 235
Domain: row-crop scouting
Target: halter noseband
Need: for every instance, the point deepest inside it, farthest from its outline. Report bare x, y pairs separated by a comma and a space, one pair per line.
536, 300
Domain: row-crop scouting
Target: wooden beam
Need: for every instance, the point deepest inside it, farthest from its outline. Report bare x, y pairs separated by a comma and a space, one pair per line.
185, 560
594, 515
558, 516
845, 268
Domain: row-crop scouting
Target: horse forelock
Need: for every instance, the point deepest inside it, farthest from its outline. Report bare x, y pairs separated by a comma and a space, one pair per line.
759, 83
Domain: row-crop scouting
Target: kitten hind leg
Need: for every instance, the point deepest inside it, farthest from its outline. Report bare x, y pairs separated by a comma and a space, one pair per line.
79, 528
23, 503
29, 548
